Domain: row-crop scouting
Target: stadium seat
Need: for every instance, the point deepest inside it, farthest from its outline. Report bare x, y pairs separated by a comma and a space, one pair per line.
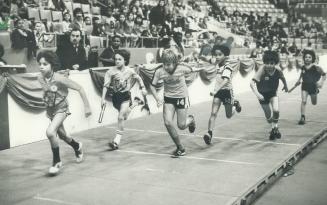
56, 16
45, 15
57, 27
95, 10
86, 8
33, 13
77, 5
69, 6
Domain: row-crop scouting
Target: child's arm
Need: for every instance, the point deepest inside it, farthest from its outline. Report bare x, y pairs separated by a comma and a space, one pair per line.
253, 84
106, 84
154, 82
74, 86
141, 83
282, 78
320, 83
218, 86
298, 82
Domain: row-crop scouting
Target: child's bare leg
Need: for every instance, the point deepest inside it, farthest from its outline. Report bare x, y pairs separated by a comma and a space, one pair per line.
214, 112
314, 99
168, 115
267, 110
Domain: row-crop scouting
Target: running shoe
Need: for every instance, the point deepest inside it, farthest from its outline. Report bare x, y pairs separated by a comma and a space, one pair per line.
178, 153
302, 120
238, 106
79, 153
54, 170
113, 145
207, 138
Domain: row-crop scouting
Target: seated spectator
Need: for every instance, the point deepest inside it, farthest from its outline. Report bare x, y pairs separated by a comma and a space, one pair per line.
88, 25
22, 38
58, 5
189, 40
107, 57
78, 22
2, 52
19, 8
67, 20
98, 28
72, 54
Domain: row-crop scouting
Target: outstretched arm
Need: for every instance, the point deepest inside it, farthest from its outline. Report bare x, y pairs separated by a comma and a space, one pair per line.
74, 86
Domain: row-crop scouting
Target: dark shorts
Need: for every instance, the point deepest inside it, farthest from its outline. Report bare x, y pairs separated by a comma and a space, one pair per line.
179, 103
226, 96
267, 96
62, 107
119, 98
311, 88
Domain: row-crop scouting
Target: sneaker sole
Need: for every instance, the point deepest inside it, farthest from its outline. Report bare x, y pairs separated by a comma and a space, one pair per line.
113, 146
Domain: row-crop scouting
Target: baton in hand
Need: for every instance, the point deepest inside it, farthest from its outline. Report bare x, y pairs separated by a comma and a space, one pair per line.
146, 106
103, 107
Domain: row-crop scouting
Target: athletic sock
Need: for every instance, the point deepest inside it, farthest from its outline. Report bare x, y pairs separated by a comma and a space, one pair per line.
210, 132
74, 144
56, 155
119, 134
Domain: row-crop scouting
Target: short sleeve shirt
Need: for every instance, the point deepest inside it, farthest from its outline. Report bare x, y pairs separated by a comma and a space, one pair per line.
120, 80
266, 82
174, 84
225, 72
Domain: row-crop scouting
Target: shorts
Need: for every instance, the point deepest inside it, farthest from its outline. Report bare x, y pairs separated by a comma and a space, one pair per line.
119, 98
179, 103
311, 88
267, 96
62, 107
226, 96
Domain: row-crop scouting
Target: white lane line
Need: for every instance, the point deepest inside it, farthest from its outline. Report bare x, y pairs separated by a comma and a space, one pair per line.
222, 138
54, 200
188, 157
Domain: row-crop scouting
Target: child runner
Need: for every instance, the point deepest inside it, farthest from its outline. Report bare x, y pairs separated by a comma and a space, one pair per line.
176, 100
265, 85
223, 90
55, 87
120, 79
313, 78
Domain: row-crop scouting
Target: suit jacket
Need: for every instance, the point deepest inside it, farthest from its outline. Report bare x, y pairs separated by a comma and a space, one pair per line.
69, 55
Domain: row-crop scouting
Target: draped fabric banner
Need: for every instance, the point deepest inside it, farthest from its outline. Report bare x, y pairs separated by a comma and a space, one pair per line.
27, 91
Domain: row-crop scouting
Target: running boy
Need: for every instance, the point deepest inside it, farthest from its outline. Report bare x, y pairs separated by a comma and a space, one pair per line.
55, 87
313, 78
223, 90
120, 79
265, 85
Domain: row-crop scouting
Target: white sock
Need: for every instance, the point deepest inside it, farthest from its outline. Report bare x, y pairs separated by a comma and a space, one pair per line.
273, 125
118, 136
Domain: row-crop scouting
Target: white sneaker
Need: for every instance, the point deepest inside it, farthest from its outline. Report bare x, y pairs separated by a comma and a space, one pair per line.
55, 168
79, 153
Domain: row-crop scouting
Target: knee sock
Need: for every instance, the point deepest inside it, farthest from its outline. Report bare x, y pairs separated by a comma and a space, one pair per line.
119, 134
275, 119
74, 144
56, 155
210, 132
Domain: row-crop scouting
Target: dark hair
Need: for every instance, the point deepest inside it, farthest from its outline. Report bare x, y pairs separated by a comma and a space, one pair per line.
221, 47
125, 54
50, 57
78, 10
76, 29
310, 52
270, 56
116, 36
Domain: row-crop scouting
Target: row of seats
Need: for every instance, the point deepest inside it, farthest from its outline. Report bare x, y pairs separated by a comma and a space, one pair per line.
267, 6
245, 1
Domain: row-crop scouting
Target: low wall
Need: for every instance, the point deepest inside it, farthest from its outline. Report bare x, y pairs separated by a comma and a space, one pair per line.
27, 127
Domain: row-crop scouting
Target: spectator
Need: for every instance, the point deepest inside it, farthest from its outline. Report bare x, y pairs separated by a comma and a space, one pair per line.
18, 7
78, 22
72, 54
58, 5
22, 38
158, 13
66, 22
107, 57
2, 52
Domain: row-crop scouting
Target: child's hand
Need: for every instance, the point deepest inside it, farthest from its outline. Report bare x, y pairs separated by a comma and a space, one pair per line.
88, 111
260, 97
319, 85
144, 92
103, 103
285, 89
159, 102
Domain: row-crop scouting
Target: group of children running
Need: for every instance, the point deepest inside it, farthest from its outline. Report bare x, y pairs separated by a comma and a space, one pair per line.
175, 101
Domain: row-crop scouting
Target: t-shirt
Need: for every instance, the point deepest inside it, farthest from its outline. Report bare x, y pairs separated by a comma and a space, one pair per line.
119, 80
311, 75
174, 84
225, 72
55, 89
266, 82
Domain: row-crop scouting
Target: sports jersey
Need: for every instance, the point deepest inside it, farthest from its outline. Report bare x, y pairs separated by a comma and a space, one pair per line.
311, 75
119, 80
266, 82
174, 84
225, 71
55, 89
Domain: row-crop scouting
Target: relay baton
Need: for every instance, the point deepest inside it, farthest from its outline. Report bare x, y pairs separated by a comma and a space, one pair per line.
103, 107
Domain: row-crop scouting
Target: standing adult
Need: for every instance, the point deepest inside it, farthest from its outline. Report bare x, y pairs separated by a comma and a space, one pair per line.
107, 57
